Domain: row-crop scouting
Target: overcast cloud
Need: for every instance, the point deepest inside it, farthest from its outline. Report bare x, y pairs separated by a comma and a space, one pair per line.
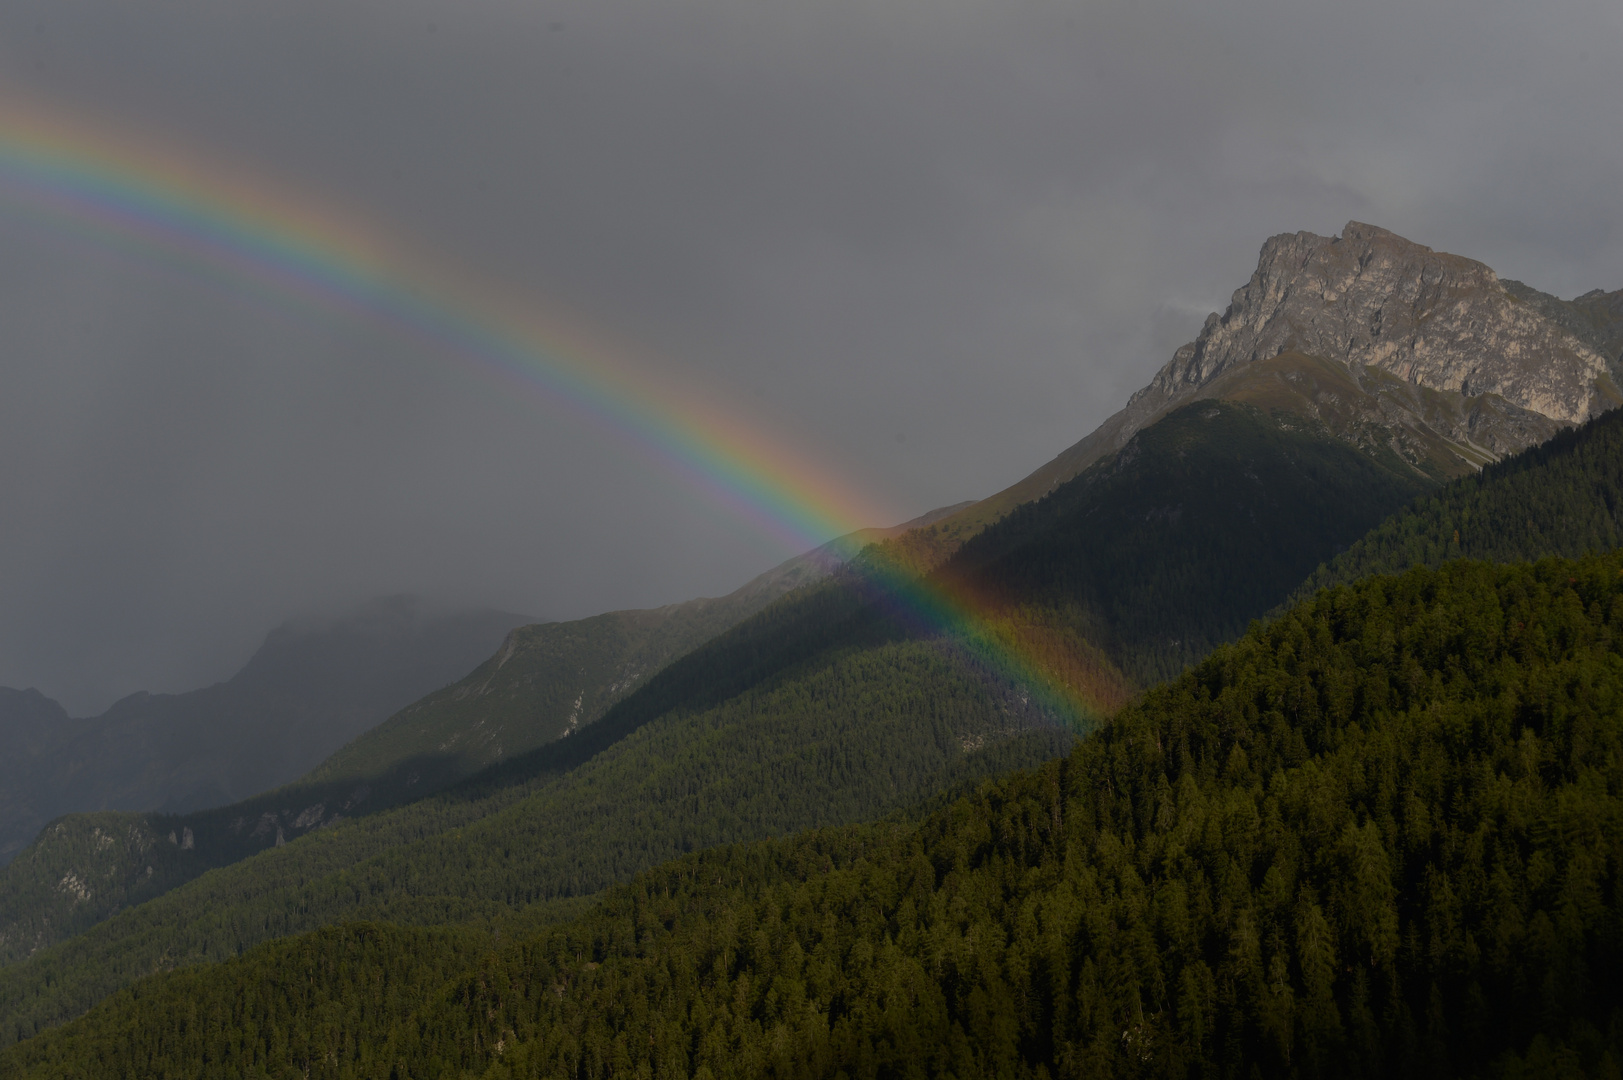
927, 244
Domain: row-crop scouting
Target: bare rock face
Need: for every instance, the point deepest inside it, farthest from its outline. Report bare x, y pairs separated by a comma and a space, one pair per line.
1595, 318
1385, 343
1394, 346
1371, 299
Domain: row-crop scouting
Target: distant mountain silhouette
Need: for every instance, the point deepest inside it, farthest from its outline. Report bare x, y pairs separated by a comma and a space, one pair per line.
311, 687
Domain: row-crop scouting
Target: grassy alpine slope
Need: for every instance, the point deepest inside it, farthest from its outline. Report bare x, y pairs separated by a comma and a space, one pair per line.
1381, 835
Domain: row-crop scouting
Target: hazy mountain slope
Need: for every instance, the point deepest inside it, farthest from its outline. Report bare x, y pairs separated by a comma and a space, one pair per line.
1379, 836
1562, 498
1200, 524
548, 681
1383, 340
849, 734
120, 860
544, 682
308, 689
29, 721
32, 726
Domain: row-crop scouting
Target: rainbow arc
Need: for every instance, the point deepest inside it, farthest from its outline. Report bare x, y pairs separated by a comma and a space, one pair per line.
167, 206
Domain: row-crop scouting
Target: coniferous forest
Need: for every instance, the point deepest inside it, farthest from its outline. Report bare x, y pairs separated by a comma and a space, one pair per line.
1378, 836
1564, 497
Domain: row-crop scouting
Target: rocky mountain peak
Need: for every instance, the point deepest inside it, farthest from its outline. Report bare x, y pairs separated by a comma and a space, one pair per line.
1382, 342
1371, 299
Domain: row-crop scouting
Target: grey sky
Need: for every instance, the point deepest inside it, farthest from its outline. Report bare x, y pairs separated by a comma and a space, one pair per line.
927, 244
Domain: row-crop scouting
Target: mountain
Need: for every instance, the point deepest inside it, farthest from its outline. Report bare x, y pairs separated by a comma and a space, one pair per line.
548, 681
1595, 318
1202, 522
813, 713
822, 709
1375, 837
29, 722
32, 727
1390, 345
832, 706
307, 690
1379, 836
1562, 498
544, 682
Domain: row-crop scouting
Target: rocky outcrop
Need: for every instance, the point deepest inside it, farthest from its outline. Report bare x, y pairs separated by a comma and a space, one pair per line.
1371, 299
1595, 318
1387, 343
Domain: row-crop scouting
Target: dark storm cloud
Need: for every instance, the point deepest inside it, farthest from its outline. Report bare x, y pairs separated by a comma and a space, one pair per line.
929, 244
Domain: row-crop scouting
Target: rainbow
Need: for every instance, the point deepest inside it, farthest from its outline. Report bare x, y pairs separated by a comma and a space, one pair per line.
166, 205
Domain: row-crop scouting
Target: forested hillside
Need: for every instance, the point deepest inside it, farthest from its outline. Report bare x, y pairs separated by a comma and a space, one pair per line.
547, 681
1564, 497
1379, 836
849, 734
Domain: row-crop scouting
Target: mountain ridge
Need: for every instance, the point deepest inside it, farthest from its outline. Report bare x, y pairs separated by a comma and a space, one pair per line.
1446, 358
640, 643
1561, 498
545, 681
304, 691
